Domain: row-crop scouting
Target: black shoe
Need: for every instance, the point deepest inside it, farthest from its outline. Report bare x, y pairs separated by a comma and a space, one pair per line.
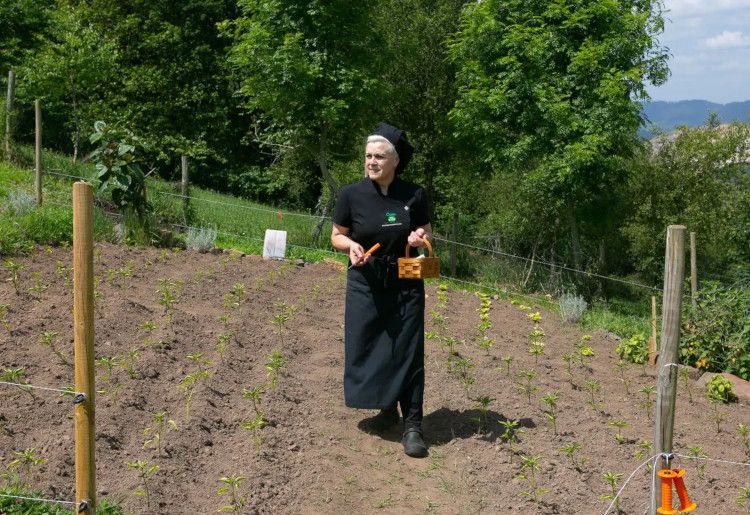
414, 445
383, 421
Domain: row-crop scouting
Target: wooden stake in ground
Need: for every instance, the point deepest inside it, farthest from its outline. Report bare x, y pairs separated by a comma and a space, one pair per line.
38, 151
185, 190
10, 102
83, 332
666, 386
453, 245
693, 272
652, 352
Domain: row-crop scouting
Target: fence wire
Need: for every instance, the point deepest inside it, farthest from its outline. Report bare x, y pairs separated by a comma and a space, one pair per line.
33, 387
38, 499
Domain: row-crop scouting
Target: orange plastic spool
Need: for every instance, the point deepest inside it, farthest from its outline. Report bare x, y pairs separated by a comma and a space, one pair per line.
666, 476
686, 505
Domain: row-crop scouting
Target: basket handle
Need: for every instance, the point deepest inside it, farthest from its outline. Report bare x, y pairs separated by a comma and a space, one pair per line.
427, 244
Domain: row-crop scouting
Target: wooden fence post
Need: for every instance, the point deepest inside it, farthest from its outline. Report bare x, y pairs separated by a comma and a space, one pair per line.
10, 102
185, 190
83, 315
693, 272
652, 350
453, 245
38, 151
666, 386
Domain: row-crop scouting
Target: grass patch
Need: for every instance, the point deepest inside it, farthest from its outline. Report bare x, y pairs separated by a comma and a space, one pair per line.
10, 506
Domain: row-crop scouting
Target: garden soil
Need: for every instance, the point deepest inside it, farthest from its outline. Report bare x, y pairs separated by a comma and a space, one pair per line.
315, 455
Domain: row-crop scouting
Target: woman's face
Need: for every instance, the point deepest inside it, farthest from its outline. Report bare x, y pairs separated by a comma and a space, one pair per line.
380, 166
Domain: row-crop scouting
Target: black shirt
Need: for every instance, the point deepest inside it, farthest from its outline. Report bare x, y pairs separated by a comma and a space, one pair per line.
372, 217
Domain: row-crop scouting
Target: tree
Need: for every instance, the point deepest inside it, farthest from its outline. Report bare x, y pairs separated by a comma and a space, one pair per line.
307, 72
697, 177
547, 92
22, 26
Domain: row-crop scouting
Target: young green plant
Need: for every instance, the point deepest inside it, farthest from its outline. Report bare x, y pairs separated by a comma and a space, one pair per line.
571, 451
231, 488
529, 469
527, 388
47, 339
145, 473
613, 480
161, 425
25, 460
550, 399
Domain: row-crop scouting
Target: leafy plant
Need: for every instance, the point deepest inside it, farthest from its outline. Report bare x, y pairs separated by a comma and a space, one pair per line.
236, 296
4, 308
550, 399
634, 349
744, 433
482, 404
620, 425
437, 318
613, 480
161, 425
38, 287
717, 415
536, 316
593, 386
536, 349
254, 426
584, 351
189, 385
280, 320
254, 395
684, 373
47, 338
529, 468
485, 343
231, 488
697, 453
17, 376
145, 473
460, 368
572, 307
644, 450
743, 499
648, 402
129, 362
568, 358
275, 363
13, 268
168, 291
720, 388
527, 387
570, 451
511, 433
201, 239
221, 346
508, 360
622, 367
25, 460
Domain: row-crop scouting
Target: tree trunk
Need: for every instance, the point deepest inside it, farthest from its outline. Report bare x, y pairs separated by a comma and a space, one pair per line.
76, 121
333, 187
575, 242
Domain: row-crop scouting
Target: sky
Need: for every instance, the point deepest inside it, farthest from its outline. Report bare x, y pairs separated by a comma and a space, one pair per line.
709, 41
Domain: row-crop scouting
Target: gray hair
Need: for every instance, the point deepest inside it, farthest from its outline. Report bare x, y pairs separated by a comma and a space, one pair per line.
377, 138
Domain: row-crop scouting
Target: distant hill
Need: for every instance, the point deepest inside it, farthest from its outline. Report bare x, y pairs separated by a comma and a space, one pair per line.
668, 115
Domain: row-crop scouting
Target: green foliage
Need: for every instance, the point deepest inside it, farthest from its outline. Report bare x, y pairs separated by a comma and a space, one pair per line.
716, 335
720, 389
634, 349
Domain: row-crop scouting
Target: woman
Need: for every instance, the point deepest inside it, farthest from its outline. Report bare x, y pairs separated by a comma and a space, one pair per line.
384, 318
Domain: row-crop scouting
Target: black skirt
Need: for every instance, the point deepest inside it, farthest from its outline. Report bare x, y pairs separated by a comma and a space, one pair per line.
383, 337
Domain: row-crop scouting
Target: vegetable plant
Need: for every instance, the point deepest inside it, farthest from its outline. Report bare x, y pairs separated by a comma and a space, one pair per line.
529, 468
584, 351
697, 453
129, 361
449, 344
482, 404
64, 271
437, 318
743, 499
275, 363
485, 343
442, 295
148, 326
13, 268
620, 425
38, 287
721, 389
280, 320
644, 450
145, 473
161, 425
508, 360
568, 358
744, 433
536, 349
25, 460
717, 415
254, 426
17, 376
255, 395
189, 385
550, 399
613, 480
4, 308
221, 346
460, 368
684, 373
570, 451
526, 387
47, 338
622, 367
231, 488
648, 402
536, 316
236, 296
593, 386
511, 433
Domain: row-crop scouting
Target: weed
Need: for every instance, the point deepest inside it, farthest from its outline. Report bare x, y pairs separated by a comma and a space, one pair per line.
550, 399
697, 453
743, 499
274, 365
17, 376
160, 426
47, 338
527, 388
648, 402
482, 404
529, 468
570, 451
145, 473
25, 460
231, 488
744, 433
620, 425
613, 480
13, 268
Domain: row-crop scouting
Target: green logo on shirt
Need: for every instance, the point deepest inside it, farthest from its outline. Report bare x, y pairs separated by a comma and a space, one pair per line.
390, 217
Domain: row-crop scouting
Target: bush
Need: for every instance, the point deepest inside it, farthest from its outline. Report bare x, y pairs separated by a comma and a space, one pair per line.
201, 239
572, 307
721, 389
716, 335
20, 202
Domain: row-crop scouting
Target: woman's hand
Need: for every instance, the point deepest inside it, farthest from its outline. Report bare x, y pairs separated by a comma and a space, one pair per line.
416, 238
356, 254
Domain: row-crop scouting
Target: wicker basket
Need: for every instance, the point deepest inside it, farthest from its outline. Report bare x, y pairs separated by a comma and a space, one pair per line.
420, 267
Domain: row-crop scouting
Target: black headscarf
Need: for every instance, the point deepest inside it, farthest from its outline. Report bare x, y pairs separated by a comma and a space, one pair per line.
397, 137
